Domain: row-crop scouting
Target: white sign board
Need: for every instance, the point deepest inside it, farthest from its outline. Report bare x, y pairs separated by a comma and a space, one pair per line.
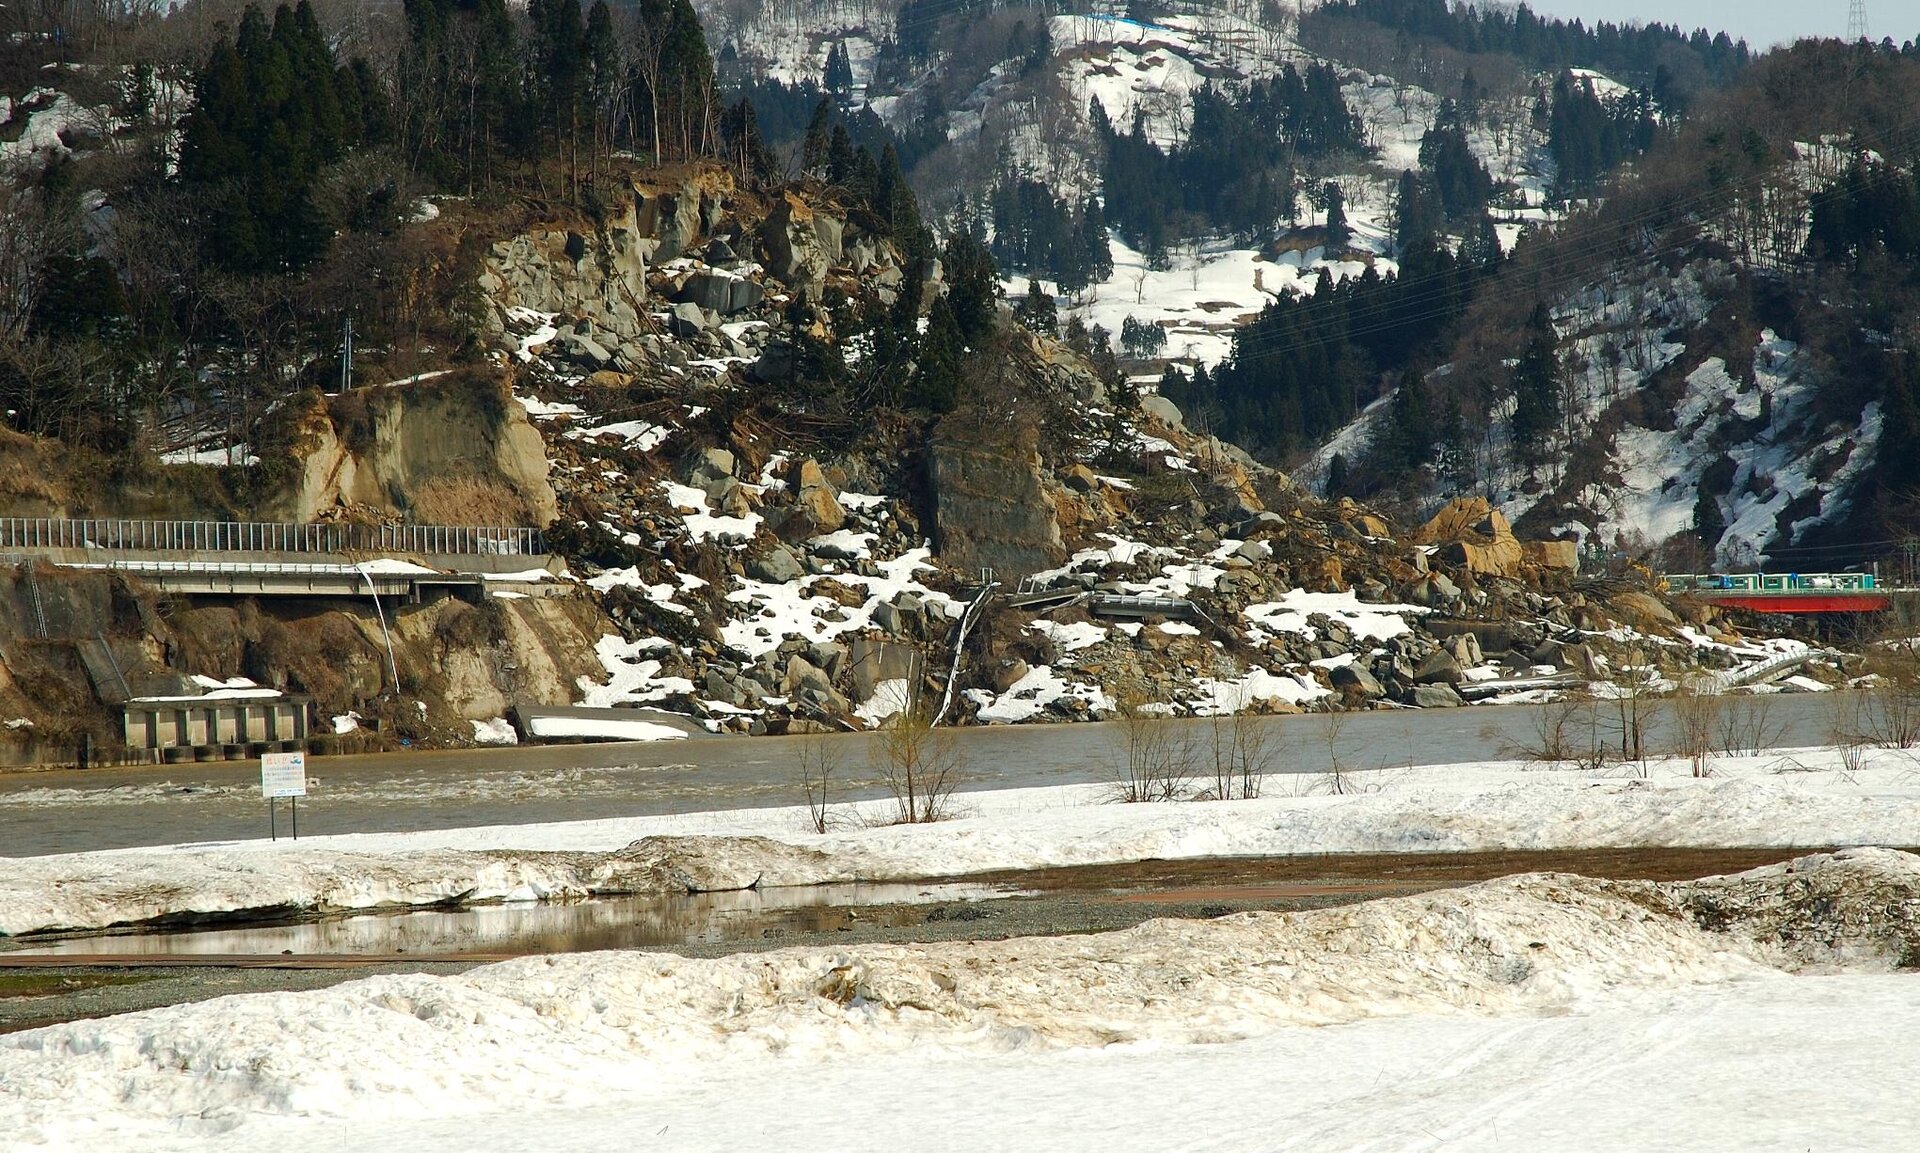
283, 775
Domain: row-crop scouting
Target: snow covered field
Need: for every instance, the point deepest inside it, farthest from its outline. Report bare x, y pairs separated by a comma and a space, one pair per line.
1539, 1012
1796, 799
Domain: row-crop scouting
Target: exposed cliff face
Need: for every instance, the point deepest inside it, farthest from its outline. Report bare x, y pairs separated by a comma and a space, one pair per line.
598, 273
462, 661
992, 509
75, 643
452, 450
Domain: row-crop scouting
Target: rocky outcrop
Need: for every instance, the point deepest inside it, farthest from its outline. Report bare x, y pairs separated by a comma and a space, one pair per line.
453, 450
1475, 536
675, 208
601, 278
479, 661
991, 507
598, 274
801, 244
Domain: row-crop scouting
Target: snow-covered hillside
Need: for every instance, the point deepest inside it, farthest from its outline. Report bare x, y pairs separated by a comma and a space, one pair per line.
1655, 414
1038, 125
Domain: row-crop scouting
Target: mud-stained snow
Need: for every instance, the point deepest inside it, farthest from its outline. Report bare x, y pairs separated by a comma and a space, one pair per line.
568, 1035
1808, 798
94, 890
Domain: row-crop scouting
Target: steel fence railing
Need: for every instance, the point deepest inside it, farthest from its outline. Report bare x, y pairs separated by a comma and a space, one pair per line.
39, 533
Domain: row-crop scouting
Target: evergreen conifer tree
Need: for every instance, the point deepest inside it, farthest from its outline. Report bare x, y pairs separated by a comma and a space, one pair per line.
271, 111
973, 286
816, 147
840, 157
1337, 231
1536, 390
838, 75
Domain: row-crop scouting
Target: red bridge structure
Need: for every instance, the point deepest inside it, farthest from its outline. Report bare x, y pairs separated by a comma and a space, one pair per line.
1796, 593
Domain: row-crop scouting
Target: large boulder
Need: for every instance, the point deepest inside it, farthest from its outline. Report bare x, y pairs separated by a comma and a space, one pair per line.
1354, 680
1553, 554
815, 510
797, 252
1439, 666
1475, 536
992, 507
1436, 696
707, 466
778, 565
720, 292
585, 350
1163, 410
687, 320
1433, 590
1642, 608
811, 685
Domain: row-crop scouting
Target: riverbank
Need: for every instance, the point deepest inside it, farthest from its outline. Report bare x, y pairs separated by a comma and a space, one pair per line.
36, 991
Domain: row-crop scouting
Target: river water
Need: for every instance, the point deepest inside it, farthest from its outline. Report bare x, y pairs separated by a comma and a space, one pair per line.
639, 922
73, 810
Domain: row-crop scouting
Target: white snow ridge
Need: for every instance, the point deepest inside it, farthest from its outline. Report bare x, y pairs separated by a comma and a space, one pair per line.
568, 1050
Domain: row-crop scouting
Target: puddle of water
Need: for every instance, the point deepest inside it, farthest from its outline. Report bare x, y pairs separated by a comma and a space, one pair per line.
607, 923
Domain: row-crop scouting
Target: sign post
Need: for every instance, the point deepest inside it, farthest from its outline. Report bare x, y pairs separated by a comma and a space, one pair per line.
283, 775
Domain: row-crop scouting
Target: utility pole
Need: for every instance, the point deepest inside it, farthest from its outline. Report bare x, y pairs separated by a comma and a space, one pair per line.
1857, 29
346, 355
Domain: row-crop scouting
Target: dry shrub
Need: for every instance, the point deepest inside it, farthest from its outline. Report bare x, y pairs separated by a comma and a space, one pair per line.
1156, 753
1697, 713
920, 765
819, 762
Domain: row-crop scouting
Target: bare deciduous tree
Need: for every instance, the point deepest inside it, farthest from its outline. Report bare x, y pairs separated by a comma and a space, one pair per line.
1333, 726
819, 761
1890, 705
1240, 747
920, 765
1634, 706
1697, 710
1156, 753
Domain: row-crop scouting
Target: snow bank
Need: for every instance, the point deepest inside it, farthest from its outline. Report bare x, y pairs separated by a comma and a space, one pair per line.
565, 1032
96, 890
602, 729
1810, 800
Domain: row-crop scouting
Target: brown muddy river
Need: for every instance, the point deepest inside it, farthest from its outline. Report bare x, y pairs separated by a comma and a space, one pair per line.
72, 811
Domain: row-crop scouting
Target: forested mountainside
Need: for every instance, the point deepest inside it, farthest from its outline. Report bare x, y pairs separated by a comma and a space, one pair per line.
1307, 205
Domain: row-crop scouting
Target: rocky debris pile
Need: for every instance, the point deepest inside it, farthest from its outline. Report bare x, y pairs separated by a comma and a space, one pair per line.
1855, 906
760, 585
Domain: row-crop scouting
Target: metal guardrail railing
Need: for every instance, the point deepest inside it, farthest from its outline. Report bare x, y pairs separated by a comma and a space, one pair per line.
241, 568
267, 536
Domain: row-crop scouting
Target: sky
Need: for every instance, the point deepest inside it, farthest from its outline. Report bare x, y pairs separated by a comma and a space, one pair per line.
1760, 22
